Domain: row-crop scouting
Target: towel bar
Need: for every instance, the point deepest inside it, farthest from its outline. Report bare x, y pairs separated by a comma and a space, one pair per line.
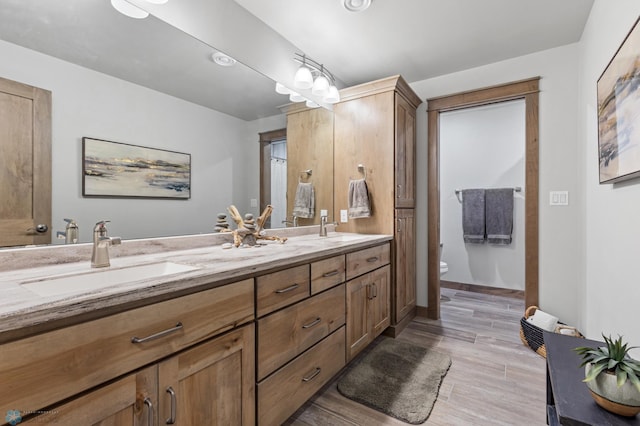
459, 192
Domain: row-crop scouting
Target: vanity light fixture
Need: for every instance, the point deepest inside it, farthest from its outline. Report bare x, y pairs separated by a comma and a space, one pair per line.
314, 77
356, 5
222, 59
131, 10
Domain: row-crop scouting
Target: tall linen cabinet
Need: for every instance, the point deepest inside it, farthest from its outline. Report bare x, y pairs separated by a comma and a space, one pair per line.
375, 139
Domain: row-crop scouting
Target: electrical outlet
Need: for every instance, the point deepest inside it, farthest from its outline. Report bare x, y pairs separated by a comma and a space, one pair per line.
254, 202
344, 217
323, 212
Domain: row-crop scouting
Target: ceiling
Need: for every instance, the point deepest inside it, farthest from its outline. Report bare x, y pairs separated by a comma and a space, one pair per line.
419, 39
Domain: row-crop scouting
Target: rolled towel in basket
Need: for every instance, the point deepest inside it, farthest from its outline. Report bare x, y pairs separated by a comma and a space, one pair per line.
543, 320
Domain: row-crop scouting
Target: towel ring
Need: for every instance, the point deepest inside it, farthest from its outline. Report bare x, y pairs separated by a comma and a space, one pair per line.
362, 170
304, 173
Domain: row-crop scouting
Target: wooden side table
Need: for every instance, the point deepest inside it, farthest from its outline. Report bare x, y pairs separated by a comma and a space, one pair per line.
568, 399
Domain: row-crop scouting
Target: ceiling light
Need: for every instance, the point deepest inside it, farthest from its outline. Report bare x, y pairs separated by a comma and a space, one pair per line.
303, 78
356, 5
296, 97
320, 86
222, 59
332, 95
311, 104
282, 89
128, 9
158, 1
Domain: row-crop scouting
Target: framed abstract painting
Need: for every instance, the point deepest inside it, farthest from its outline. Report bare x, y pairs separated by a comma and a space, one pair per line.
114, 169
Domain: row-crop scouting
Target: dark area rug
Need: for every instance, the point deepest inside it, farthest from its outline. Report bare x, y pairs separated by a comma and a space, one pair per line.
398, 379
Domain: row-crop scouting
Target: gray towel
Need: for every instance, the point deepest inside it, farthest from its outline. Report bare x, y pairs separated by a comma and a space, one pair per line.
304, 205
473, 216
359, 204
499, 215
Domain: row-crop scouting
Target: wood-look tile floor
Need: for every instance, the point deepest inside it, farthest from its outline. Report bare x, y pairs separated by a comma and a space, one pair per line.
493, 380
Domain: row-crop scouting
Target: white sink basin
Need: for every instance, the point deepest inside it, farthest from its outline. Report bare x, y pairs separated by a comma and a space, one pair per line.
97, 279
343, 237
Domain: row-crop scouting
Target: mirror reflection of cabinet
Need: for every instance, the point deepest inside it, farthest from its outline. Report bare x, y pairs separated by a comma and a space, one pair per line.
310, 147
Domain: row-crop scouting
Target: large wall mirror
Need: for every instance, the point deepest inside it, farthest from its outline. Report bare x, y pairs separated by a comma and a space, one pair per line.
142, 82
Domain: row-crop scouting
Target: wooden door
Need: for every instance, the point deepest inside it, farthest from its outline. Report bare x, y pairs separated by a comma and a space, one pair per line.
212, 383
379, 303
405, 154
404, 297
358, 321
130, 401
25, 164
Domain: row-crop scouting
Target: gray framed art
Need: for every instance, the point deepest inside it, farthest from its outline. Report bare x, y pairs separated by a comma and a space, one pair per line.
619, 112
114, 169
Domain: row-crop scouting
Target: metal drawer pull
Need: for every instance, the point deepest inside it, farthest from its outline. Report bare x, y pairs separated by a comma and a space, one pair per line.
311, 324
148, 403
157, 335
330, 274
375, 290
284, 290
172, 419
372, 259
313, 375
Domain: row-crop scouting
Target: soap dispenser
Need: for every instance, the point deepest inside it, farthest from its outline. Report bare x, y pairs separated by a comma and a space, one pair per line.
71, 232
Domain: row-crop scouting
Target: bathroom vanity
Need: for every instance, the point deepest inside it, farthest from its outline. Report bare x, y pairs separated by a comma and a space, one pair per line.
241, 336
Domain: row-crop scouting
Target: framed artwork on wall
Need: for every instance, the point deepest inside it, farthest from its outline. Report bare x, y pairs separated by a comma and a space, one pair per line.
114, 169
619, 112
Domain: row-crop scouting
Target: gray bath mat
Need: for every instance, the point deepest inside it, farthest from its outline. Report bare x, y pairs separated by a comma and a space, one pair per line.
398, 379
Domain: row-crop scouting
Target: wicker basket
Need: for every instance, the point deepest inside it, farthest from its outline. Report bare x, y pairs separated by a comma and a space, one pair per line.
532, 336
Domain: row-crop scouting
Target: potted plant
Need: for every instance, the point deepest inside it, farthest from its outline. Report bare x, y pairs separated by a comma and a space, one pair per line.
612, 376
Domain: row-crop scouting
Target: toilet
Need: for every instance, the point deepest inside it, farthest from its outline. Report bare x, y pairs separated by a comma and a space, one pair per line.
444, 268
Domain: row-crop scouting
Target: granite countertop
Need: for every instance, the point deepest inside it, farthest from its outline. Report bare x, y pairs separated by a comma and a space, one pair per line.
24, 312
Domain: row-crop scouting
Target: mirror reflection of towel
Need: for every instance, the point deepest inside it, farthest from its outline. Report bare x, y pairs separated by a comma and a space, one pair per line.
359, 203
304, 203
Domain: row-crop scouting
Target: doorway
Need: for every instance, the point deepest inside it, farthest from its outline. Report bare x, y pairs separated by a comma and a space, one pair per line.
273, 174
528, 91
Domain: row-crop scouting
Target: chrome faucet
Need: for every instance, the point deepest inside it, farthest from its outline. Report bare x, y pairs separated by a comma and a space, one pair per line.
101, 243
323, 226
70, 234
293, 223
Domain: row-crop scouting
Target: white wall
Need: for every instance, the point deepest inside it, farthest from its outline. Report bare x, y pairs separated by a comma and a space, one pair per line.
224, 150
612, 228
561, 228
482, 147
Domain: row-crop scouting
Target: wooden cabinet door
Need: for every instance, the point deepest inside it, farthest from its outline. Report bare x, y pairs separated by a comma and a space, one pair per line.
379, 301
130, 401
210, 384
25, 164
358, 322
405, 154
404, 297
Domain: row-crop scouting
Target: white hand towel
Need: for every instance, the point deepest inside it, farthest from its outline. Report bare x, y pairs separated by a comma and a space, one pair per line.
304, 203
359, 203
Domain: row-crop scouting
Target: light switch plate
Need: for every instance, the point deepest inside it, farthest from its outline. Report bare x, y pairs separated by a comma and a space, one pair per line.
558, 198
344, 218
254, 202
323, 212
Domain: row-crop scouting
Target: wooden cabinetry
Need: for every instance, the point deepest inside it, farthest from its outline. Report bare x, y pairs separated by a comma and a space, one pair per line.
368, 312
77, 358
375, 125
310, 147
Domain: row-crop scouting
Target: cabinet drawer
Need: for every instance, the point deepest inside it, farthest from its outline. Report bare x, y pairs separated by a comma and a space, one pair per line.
280, 289
327, 273
281, 394
289, 332
75, 358
367, 260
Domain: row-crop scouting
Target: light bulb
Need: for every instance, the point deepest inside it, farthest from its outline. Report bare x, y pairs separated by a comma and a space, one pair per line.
282, 89
296, 97
311, 104
303, 78
320, 86
128, 9
332, 95
157, 1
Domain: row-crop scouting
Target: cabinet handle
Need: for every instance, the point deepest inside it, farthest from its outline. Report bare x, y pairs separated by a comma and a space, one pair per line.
157, 335
284, 290
369, 292
330, 274
172, 418
372, 259
148, 403
375, 290
312, 323
312, 376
